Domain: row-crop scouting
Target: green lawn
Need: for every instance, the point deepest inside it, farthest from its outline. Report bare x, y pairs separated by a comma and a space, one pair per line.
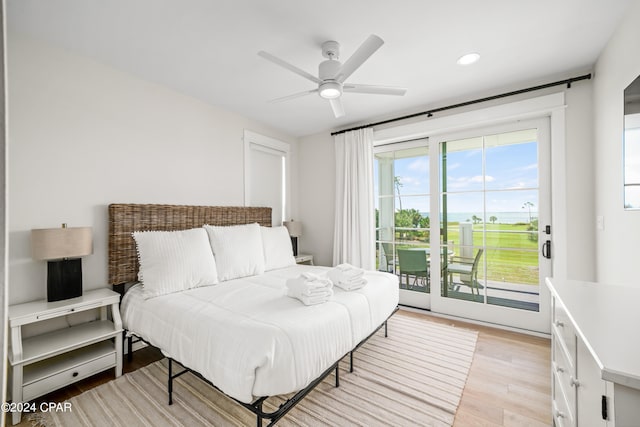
511, 252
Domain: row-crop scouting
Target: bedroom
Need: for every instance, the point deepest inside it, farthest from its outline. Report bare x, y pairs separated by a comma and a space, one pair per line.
107, 135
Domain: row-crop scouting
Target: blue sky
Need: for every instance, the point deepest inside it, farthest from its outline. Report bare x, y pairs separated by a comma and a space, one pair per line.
511, 171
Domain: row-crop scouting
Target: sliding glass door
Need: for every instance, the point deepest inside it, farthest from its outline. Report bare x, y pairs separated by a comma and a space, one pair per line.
494, 209
464, 220
402, 185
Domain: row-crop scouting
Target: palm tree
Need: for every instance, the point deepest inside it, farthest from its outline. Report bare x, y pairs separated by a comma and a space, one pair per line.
493, 219
528, 205
398, 184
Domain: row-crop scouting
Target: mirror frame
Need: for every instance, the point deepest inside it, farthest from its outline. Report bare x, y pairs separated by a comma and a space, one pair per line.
631, 146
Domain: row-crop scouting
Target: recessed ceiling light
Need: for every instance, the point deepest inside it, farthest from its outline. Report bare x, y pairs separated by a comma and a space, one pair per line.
468, 59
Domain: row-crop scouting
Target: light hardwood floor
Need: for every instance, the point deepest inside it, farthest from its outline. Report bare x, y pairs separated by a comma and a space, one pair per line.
508, 385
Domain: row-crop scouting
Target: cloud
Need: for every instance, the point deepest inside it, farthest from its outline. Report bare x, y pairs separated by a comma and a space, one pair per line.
421, 164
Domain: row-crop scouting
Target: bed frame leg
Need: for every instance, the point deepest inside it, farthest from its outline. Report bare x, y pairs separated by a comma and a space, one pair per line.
385, 329
351, 361
258, 417
170, 384
130, 348
337, 374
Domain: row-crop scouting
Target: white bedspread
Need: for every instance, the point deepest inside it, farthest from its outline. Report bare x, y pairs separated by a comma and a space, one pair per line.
249, 339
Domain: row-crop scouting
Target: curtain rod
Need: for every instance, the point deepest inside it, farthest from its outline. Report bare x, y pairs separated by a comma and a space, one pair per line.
429, 113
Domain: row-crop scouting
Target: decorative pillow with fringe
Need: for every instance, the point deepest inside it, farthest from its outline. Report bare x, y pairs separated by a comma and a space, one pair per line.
174, 261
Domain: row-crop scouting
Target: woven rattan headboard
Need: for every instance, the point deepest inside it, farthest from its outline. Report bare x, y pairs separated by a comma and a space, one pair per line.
127, 218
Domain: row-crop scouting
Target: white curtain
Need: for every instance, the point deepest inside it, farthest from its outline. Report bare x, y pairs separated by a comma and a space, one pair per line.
354, 234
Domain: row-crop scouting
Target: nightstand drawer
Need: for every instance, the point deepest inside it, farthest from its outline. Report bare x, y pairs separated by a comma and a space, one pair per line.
50, 374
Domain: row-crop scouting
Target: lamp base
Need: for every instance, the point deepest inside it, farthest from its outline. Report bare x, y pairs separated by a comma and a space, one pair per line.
64, 279
294, 245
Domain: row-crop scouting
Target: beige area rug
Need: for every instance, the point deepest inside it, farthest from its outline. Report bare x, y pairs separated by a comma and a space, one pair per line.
414, 377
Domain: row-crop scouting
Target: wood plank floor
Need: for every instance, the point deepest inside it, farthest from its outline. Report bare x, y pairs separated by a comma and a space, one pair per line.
508, 384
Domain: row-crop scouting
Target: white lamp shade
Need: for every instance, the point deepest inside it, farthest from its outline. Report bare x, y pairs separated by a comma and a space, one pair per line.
294, 227
60, 243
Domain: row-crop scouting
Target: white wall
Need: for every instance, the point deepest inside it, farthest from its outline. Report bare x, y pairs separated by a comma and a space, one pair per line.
617, 66
316, 194
83, 135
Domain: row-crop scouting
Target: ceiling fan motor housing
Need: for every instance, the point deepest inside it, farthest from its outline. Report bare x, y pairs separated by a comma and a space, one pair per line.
331, 49
328, 70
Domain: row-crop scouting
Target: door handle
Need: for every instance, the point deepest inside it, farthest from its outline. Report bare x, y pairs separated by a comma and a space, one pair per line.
546, 249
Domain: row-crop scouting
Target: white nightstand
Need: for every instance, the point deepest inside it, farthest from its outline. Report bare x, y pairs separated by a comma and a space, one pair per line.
304, 259
44, 363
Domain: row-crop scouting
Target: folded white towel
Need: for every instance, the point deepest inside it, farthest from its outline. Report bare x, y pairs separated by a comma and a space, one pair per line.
349, 271
310, 288
352, 285
314, 299
347, 277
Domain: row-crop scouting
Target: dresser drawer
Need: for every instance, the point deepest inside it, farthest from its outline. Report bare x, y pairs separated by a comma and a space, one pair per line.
564, 373
45, 384
563, 330
562, 415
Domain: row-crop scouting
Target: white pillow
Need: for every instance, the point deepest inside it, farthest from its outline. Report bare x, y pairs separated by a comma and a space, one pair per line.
237, 249
173, 261
278, 252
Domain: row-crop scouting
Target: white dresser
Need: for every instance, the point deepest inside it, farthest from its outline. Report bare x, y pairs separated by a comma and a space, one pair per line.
595, 354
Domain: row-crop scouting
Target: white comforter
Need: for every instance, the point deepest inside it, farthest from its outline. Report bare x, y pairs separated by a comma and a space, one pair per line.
249, 339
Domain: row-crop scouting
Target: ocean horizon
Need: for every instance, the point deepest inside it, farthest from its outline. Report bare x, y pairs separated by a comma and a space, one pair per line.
502, 217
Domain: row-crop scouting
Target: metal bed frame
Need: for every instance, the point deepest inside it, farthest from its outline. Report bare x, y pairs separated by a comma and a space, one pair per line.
257, 405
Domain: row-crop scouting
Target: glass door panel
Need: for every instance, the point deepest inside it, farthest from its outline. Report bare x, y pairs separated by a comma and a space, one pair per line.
402, 185
490, 194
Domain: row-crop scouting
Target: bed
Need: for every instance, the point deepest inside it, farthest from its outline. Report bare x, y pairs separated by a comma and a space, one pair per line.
242, 335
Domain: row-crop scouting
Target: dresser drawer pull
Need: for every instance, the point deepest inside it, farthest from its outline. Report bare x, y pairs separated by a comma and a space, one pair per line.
574, 382
559, 323
560, 414
559, 369
75, 374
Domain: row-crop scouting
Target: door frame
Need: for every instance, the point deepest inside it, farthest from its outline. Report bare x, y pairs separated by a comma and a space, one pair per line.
550, 105
505, 316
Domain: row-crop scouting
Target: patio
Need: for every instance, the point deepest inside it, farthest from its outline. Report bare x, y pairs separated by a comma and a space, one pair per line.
523, 297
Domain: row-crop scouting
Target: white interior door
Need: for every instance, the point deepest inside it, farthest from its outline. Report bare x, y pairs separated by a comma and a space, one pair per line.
266, 162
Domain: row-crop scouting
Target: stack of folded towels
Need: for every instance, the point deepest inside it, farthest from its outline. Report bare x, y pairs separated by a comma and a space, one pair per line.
347, 277
310, 288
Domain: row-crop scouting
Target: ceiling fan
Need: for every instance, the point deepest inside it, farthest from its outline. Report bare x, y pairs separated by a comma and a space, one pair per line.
332, 74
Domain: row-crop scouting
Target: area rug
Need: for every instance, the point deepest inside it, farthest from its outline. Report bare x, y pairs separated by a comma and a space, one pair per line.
413, 377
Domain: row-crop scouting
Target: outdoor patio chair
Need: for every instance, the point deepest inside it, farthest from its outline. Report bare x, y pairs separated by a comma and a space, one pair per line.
467, 269
387, 250
413, 263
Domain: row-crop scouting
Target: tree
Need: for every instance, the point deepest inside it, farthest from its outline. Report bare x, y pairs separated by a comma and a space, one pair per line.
476, 219
493, 219
528, 205
398, 184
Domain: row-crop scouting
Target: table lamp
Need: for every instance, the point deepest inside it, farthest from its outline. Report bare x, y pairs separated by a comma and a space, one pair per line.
295, 231
62, 248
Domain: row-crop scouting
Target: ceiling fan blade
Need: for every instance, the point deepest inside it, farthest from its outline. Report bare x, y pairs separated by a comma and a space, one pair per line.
289, 67
375, 89
336, 106
366, 49
295, 95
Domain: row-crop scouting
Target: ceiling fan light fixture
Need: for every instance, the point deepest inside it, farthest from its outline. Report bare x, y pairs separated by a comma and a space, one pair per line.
330, 90
468, 59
